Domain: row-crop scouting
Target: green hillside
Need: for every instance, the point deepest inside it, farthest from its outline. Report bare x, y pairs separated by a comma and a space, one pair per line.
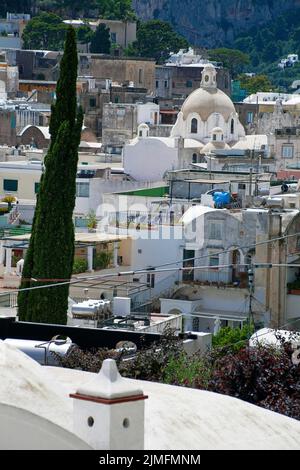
267, 45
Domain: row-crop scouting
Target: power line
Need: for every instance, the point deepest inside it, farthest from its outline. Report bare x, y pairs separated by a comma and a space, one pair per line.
145, 271
233, 249
155, 270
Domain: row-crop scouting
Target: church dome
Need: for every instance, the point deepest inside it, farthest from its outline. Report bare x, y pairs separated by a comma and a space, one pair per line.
205, 101
211, 146
208, 99
207, 109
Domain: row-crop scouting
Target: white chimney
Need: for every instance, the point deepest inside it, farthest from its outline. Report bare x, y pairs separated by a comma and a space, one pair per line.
108, 411
121, 306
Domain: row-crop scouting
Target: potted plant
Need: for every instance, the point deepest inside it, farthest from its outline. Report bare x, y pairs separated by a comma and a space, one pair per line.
91, 221
294, 287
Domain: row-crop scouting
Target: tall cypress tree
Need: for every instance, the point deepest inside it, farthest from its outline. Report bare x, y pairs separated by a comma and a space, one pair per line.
50, 255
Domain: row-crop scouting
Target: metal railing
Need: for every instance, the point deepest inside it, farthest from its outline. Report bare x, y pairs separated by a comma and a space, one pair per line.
10, 300
143, 300
219, 278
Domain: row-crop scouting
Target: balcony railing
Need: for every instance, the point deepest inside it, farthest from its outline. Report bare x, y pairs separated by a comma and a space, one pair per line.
218, 278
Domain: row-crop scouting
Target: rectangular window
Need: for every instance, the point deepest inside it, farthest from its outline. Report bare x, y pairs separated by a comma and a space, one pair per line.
249, 117
166, 83
214, 260
121, 112
81, 222
189, 84
150, 280
140, 75
156, 84
215, 231
287, 151
36, 187
92, 102
10, 185
113, 37
82, 189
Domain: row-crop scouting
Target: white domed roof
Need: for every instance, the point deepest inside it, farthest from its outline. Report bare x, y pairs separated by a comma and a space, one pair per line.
217, 130
205, 102
211, 146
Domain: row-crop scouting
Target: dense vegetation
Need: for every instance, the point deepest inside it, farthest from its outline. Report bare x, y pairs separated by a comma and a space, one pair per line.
257, 50
256, 83
100, 40
111, 9
267, 45
45, 31
262, 375
156, 39
50, 256
15, 6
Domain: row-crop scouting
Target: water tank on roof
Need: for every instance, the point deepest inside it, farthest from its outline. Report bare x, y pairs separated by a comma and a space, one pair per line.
221, 199
275, 203
289, 187
42, 351
90, 307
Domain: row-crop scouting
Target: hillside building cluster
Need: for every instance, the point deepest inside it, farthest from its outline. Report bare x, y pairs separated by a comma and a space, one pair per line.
187, 202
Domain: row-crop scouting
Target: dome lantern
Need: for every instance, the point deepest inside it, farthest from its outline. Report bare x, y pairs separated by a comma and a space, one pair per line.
143, 131
209, 77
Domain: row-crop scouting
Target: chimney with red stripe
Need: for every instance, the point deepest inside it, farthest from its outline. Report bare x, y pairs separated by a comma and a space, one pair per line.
109, 411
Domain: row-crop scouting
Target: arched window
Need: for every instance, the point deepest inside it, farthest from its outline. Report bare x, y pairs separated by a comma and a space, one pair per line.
232, 127
194, 126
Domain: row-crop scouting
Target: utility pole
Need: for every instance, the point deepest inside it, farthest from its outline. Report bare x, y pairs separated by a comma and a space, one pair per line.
251, 289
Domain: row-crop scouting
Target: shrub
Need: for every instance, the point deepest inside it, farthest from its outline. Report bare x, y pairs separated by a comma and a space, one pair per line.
102, 260
88, 361
264, 376
187, 371
231, 339
80, 266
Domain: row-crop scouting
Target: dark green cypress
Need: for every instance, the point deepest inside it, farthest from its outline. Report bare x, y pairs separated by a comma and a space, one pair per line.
51, 249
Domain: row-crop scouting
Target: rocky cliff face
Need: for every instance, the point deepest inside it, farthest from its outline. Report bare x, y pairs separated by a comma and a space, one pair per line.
211, 23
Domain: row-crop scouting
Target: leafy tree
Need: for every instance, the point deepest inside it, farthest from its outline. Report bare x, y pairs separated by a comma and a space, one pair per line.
100, 43
255, 60
15, 6
232, 59
45, 31
244, 44
255, 83
116, 10
75, 6
84, 34
156, 39
50, 256
296, 35
267, 45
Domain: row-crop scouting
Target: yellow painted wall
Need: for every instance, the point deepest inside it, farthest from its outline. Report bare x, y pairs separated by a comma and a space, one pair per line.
26, 182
